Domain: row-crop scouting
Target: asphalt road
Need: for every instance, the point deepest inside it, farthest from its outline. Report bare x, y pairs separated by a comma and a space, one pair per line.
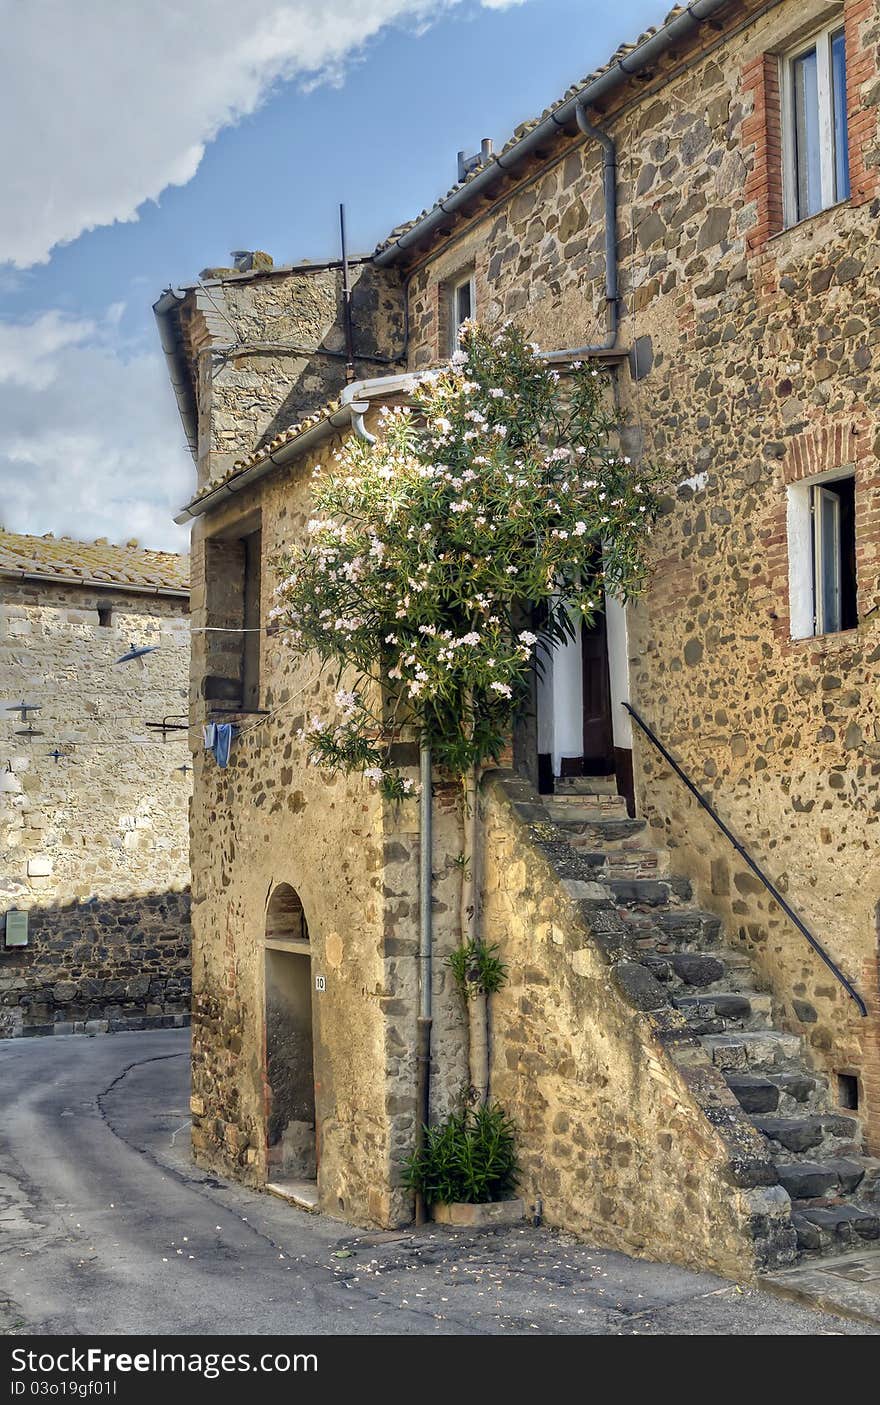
107, 1227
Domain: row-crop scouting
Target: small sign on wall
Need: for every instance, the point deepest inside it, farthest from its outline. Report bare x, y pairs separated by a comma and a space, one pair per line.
16, 929
320, 983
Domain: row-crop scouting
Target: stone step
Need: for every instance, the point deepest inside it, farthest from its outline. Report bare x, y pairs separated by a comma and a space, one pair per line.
585, 785
692, 971
813, 1180
303, 1194
587, 808
745, 1008
749, 1048
696, 970
623, 864
776, 1090
839, 1227
643, 893
676, 927
608, 834
810, 1132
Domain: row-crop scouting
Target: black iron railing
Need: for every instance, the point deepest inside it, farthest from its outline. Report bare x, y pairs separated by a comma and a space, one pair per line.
747, 858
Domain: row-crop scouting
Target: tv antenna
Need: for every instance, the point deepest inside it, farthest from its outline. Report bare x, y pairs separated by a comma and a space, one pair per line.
24, 708
137, 651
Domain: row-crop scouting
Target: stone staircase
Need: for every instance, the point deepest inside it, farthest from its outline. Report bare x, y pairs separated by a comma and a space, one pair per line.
815, 1146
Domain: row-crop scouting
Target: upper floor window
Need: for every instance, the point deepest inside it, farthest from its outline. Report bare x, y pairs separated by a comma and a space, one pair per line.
462, 307
233, 588
815, 125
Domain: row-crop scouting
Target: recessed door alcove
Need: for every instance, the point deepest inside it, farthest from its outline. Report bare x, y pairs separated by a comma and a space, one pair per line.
290, 1079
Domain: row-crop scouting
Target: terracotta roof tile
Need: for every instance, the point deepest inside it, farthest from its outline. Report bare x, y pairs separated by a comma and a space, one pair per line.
66, 559
266, 451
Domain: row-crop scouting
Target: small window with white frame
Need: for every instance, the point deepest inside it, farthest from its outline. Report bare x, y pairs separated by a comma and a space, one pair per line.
462, 306
814, 125
822, 556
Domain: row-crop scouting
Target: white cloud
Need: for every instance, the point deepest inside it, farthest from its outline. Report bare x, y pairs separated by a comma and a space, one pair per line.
105, 103
90, 441
29, 351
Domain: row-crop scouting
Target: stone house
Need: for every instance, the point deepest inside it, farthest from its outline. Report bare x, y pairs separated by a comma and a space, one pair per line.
692, 1057
94, 868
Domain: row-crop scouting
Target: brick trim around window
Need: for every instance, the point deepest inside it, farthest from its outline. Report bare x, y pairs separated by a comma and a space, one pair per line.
817, 450
762, 128
862, 29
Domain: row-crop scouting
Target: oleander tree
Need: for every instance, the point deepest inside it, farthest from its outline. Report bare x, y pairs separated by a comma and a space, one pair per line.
489, 519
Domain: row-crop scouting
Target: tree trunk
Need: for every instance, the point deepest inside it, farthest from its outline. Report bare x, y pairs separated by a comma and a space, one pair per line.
477, 1003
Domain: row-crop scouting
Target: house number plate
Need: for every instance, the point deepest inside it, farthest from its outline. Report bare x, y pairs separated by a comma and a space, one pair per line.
320, 983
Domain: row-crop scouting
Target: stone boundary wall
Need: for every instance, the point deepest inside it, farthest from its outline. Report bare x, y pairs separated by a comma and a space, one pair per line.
93, 810
628, 1134
99, 967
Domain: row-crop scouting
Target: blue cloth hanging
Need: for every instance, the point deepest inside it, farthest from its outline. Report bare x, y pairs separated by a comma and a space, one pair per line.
222, 744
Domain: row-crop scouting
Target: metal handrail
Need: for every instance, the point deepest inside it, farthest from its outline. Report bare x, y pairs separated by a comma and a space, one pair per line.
771, 888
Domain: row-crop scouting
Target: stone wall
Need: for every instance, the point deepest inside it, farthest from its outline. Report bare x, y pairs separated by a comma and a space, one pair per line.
93, 842
269, 349
755, 348
98, 967
758, 367
271, 818
627, 1134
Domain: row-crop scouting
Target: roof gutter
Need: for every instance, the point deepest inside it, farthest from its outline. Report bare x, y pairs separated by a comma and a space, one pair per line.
121, 587
612, 288
286, 454
602, 87
178, 370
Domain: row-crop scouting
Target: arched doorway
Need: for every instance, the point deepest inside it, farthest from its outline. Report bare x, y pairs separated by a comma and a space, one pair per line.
290, 1080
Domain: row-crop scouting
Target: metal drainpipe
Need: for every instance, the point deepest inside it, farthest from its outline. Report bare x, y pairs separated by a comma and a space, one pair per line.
612, 289
423, 1051
358, 410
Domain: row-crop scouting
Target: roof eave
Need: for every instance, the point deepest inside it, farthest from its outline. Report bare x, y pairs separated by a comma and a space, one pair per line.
121, 587
165, 310
315, 434
620, 72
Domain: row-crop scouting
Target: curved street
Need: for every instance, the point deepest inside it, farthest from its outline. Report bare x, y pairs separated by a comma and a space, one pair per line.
108, 1227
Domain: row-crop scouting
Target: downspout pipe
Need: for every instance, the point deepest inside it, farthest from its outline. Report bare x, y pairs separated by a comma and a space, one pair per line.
612, 284
426, 972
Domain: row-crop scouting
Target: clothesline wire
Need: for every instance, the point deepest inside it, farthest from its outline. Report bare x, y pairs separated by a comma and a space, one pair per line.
135, 741
115, 741
281, 706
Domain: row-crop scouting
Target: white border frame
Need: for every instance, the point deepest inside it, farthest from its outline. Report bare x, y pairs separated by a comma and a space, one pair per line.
802, 603
821, 42
461, 281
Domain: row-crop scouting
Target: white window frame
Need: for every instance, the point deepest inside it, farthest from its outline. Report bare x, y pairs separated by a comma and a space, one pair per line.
467, 281
826, 556
806, 551
821, 42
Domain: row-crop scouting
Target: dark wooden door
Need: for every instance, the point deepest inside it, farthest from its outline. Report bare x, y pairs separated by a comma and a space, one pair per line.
598, 731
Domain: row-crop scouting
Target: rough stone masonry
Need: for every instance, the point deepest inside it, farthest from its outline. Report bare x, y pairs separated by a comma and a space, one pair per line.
93, 803
746, 362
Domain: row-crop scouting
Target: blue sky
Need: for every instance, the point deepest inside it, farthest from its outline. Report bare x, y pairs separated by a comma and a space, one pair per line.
265, 131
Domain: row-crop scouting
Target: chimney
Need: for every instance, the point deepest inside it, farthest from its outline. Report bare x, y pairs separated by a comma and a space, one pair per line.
466, 164
250, 260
